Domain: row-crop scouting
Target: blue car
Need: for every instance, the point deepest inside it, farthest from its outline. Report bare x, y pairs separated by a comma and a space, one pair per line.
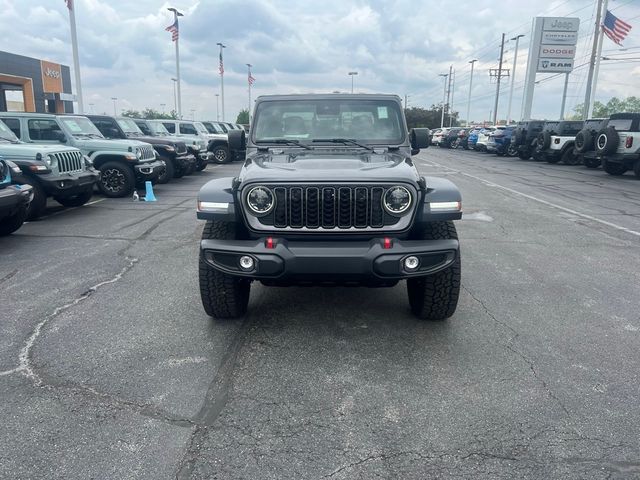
473, 137
500, 142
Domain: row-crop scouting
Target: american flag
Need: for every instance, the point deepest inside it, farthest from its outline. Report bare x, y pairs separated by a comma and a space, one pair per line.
251, 79
221, 65
614, 28
69, 4
175, 31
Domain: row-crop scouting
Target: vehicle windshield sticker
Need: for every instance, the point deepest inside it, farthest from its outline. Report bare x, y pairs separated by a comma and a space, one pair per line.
73, 126
382, 112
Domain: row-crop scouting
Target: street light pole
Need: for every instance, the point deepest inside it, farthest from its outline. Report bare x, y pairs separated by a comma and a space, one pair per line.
352, 74
249, 80
513, 77
193, 115
221, 70
472, 62
495, 106
177, 14
163, 105
76, 60
444, 96
217, 106
114, 105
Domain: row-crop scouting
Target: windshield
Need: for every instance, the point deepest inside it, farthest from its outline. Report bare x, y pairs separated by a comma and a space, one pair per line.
129, 126
144, 128
158, 128
7, 134
201, 128
80, 126
213, 128
370, 121
620, 124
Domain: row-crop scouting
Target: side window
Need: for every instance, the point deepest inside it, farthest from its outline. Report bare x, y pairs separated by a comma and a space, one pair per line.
43, 130
188, 129
108, 128
143, 126
171, 127
13, 124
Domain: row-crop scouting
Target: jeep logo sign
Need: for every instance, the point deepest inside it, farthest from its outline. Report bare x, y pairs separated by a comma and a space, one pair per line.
52, 73
557, 51
549, 65
561, 24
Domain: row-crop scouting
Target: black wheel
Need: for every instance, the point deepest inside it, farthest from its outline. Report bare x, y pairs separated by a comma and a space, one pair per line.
512, 150
201, 165
436, 297
76, 200
615, 169
591, 162
220, 154
607, 140
636, 169
168, 172
551, 158
584, 141
524, 154
570, 158
223, 296
39, 203
116, 180
8, 225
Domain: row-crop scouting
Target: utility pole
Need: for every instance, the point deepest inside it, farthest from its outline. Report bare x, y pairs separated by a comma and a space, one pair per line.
472, 62
76, 60
513, 76
177, 14
449, 91
495, 105
597, 67
453, 89
221, 70
592, 64
250, 82
444, 96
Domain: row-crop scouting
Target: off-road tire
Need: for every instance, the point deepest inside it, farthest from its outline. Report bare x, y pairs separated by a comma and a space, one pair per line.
512, 150
223, 296
591, 162
570, 158
76, 200
220, 154
636, 169
615, 169
524, 155
124, 172
8, 225
606, 141
169, 171
39, 203
435, 297
584, 141
551, 158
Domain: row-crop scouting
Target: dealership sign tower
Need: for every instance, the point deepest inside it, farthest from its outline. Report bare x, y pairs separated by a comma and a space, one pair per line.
552, 50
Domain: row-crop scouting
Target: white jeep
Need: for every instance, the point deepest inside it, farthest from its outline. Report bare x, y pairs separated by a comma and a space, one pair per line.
556, 142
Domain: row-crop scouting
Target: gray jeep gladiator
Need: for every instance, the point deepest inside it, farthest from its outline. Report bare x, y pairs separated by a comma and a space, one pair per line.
329, 195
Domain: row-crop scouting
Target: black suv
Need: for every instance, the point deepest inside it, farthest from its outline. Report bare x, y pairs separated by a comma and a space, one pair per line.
14, 198
525, 137
329, 195
618, 144
172, 152
584, 145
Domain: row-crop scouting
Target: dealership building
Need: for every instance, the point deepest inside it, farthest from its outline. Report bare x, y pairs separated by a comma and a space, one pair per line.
33, 85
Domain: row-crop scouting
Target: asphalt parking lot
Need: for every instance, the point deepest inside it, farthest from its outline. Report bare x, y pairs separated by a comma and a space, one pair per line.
110, 369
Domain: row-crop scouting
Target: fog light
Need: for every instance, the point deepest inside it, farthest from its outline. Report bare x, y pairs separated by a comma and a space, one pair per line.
411, 263
246, 262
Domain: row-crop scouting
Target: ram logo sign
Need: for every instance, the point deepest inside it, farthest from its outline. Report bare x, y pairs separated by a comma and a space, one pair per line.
552, 65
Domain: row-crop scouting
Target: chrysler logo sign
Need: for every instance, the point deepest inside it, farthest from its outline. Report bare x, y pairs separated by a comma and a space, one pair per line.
49, 72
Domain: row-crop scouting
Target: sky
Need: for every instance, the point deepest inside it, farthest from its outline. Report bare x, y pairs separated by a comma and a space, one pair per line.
396, 46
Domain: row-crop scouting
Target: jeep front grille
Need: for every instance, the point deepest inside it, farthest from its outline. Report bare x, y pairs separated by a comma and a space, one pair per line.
69, 162
329, 207
148, 153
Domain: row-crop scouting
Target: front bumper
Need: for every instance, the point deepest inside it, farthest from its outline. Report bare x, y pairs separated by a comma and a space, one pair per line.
149, 170
185, 160
300, 262
67, 184
14, 197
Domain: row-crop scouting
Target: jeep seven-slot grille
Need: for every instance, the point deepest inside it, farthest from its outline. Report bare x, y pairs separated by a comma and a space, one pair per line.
69, 162
328, 207
148, 153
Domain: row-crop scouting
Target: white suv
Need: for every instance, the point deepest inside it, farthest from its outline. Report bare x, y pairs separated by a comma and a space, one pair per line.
556, 142
618, 144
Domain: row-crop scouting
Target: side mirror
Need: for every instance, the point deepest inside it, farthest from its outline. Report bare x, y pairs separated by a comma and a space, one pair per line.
420, 138
237, 140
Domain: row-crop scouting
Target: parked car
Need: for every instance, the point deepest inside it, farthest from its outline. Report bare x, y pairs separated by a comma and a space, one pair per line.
157, 129
438, 135
52, 170
195, 140
451, 138
14, 198
483, 138
293, 216
123, 164
556, 141
499, 142
525, 137
618, 144
218, 146
472, 138
585, 148
170, 150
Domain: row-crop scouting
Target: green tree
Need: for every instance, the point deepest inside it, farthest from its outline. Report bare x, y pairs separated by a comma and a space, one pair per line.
151, 114
243, 117
614, 105
430, 118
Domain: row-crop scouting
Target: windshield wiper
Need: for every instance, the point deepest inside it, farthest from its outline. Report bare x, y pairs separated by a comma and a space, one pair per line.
288, 141
346, 141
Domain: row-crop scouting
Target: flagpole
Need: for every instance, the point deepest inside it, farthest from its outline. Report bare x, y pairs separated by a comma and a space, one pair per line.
221, 67
592, 64
249, 82
76, 60
596, 70
177, 14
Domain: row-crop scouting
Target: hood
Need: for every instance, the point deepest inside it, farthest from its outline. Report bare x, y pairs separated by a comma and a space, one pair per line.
330, 167
30, 150
157, 140
111, 144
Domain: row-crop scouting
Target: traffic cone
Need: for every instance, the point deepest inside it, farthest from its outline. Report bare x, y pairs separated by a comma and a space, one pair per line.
149, 196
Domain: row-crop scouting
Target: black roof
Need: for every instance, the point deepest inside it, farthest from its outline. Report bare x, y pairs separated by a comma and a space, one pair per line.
625, 116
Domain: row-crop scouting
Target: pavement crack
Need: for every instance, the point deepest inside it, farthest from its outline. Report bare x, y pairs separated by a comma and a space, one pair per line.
8, 276
490, 314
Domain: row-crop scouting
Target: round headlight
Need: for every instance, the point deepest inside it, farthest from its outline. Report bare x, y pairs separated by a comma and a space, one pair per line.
397, 200
51, 161
260, 200
139, 153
